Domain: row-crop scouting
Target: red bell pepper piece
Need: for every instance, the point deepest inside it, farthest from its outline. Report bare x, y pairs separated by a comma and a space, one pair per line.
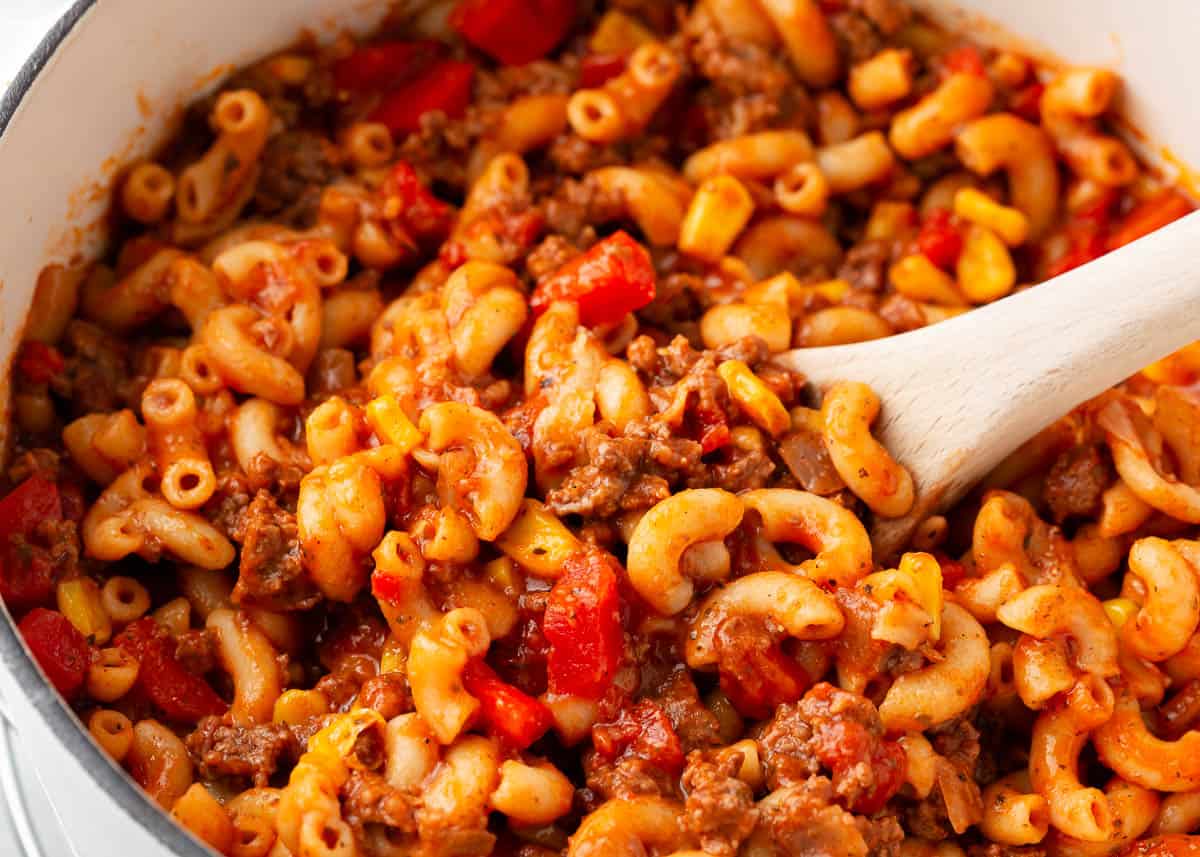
180, 695
964, 60
939, 239
1149, 215
386, 65
508, 712
40, 362
514, 32
641, 731
597, 69
582, 625
445, 86
60, 650
27, 569
613, 278
411, 208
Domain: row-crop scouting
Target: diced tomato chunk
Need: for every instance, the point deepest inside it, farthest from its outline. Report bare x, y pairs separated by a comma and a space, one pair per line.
514, 32
714, 435
40, 362
389, 588
27, 577
1027, 102
953, 571
641, 731
597, 69
582, 625
1084, 248
445, 86
768, 679
410, 208
613, 278
964, 60
509, 713
512, 232
386, 65
1087, 234
60, 650
1096, 214
844, 744
27, 569
939, 239
179, 694
522, 228
34, 500
1149, 215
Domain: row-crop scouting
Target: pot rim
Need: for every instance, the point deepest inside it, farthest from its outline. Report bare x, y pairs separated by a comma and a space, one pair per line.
63, 723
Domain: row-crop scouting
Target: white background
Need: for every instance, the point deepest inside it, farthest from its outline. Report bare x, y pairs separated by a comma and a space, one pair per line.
22, 25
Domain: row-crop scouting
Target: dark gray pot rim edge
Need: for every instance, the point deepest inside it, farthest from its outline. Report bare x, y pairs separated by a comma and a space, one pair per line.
63, 723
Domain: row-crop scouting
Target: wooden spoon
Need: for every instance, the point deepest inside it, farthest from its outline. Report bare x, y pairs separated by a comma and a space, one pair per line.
961, 395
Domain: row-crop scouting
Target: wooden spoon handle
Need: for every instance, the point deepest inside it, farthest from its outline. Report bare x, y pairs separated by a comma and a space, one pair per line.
960, 395
1040, 353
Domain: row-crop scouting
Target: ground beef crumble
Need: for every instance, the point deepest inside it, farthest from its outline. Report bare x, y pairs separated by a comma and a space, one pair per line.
196, 650
97, 364
719, 810
387, 693
805, 820
367, 798
271, 570
296, 165
864, 266
1076, 482
832, 729
694, 723
222, 749
624, 778
625, 472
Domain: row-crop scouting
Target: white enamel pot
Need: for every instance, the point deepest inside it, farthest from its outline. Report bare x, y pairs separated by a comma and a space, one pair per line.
99, 91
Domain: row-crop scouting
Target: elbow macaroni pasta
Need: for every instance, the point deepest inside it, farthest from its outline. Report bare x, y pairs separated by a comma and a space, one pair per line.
418, 474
